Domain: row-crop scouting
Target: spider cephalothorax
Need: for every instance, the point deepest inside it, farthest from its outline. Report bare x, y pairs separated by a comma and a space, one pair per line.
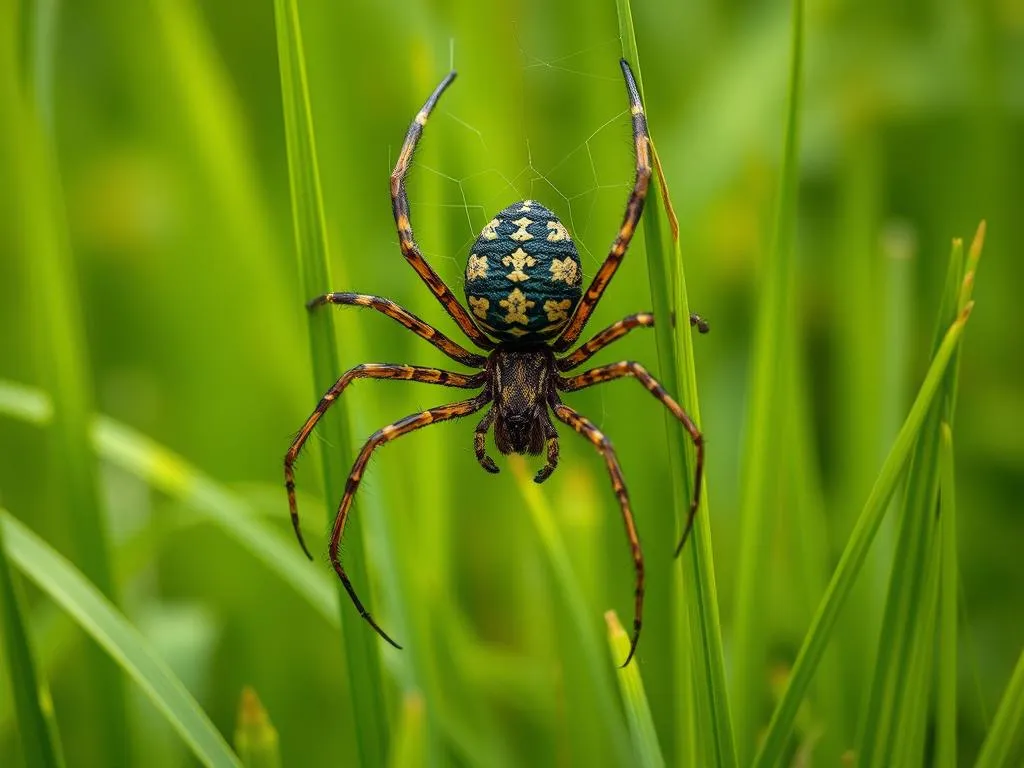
524, 290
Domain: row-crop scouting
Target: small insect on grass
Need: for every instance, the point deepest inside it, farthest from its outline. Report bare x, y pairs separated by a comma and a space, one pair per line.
527, 308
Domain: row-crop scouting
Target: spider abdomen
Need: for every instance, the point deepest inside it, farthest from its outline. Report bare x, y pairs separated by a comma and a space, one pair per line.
524, 277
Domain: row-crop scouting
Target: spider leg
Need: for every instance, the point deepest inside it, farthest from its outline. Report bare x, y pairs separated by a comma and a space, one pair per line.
480, 441
407, 319
634, 207
552, 439
400, 208
616, 331
612, 333
365, 371
629, 368
378, 438
585, 427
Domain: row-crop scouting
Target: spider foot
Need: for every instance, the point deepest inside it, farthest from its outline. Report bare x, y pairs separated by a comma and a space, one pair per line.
699, 322
632, 644
544, 473
488, 463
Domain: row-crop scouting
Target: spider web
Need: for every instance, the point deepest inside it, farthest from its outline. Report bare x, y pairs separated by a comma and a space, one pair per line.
584, 175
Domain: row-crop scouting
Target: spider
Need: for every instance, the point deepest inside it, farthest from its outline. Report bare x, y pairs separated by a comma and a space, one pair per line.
527, 308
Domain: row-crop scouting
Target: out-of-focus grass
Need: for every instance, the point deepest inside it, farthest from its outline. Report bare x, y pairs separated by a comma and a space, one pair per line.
170, 143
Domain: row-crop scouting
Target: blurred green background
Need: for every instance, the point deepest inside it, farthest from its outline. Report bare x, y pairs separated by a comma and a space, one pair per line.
166, 118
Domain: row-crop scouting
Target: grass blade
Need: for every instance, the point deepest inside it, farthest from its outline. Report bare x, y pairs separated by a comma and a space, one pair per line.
946, 709
362, 656
40, 743
172, 475
578, 611
111, 630
256, 738
774, 354
58, 335
909, 609
698, 680
853, 557
631, 686
1002, 745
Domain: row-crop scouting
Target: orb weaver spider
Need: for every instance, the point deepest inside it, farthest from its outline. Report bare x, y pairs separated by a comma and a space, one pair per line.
524, 288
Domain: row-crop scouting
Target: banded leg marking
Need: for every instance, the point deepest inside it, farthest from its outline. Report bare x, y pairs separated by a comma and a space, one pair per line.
365, 371
405, 318
400, 208
585, 427
629, 368
378, 438
634, 207
480, 441
610, 334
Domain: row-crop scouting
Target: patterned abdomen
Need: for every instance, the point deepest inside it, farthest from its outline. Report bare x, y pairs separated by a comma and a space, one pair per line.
524, 277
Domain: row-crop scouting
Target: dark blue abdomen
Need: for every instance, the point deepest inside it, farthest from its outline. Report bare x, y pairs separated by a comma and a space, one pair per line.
524, 276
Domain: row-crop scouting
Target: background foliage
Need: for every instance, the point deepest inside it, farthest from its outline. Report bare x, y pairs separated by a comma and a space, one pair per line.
148, 273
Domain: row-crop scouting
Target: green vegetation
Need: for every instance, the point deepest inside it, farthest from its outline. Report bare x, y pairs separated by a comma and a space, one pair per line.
180, 177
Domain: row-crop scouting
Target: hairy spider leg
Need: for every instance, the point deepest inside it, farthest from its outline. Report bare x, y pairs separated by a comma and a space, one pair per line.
364, 371
378, 438
585, 427
634, 207
480, 441
614, 332
406, 319
629, 368
551, 436
400, 207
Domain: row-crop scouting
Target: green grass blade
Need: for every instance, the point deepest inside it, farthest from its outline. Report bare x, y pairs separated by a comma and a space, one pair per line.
774, 351
699, 681
855, 553
946, 708
111, 630
362, 646
579, 613
256, 740
410, 747
1003, 745
40, 742
888, 727
58, 336
631, 686
172, 475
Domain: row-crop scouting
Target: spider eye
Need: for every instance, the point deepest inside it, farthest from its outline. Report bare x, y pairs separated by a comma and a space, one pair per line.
523, 277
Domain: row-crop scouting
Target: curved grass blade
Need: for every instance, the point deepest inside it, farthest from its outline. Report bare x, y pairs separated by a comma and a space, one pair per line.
171, 474
631, 686
111, 630
855, 553
362, 657
1002, 745
40, 742
705, 689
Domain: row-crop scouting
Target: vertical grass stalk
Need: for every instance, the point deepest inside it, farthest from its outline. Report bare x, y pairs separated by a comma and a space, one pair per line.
853, 557
886, 725
699, 679
361, 645
62, 347
946, 709
774, 350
